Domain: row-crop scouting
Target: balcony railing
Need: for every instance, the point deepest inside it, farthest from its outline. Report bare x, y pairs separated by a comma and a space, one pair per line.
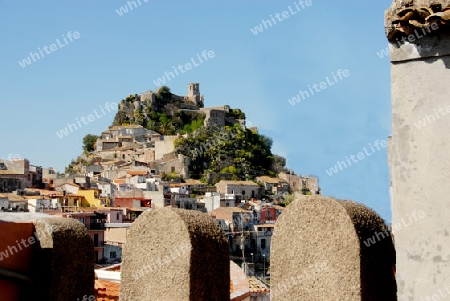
95, 226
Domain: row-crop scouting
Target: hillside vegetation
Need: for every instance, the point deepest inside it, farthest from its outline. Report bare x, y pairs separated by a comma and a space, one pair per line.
229, 150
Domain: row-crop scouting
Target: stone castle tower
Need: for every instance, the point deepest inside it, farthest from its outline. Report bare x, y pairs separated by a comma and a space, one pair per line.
194, 94
419, 36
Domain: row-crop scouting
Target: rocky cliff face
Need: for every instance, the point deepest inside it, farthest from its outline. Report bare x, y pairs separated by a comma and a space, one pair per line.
165, 113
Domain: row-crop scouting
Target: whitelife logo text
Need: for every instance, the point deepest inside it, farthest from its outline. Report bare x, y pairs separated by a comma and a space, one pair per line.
49, 49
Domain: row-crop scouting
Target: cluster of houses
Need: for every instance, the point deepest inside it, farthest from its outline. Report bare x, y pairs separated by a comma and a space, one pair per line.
133, 169
245, 210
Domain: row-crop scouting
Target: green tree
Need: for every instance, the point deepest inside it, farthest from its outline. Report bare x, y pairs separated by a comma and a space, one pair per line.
279, 164
166, 128
164, 92
140, 118
243, 153
89, 142
121, 118
288, 198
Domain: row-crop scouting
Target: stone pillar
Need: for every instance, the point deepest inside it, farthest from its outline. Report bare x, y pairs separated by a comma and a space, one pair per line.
323, 249
418, 32
175, 254
64, 261
44, 258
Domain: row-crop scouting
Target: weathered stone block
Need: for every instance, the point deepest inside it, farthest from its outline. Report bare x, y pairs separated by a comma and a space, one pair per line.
64, 261
318, 253
175, 254
47, 258
418, 149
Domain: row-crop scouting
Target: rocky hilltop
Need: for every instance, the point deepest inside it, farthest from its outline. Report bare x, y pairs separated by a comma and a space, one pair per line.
177, 137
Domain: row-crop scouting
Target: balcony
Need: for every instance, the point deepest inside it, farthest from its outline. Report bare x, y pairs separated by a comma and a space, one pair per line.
96, 226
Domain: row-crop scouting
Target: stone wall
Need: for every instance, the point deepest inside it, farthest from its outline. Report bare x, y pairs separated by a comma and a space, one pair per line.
164, 146
322, 249
418, 159
297, 182
214, 117
176, 165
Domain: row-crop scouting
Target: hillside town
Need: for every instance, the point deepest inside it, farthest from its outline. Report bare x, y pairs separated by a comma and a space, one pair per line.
115, 187
133, 169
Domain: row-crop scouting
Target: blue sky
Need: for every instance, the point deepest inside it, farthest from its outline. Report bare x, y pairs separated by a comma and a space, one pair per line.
115, 56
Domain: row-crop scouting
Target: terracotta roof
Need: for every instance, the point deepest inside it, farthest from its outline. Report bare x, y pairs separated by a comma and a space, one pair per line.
226, 213
46, 191
256, 286
107, 290
78, 213
12, 197
36, 197
246, 206
9, 172
136, 209
240, 286
137, 172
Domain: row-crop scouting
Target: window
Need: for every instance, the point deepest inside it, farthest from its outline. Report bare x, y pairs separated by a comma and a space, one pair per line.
118, 216
263, 243
95, 240
227, 204
112, 254
172, 169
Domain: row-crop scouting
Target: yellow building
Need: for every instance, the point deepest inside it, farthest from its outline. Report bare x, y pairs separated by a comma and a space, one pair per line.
91, 197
